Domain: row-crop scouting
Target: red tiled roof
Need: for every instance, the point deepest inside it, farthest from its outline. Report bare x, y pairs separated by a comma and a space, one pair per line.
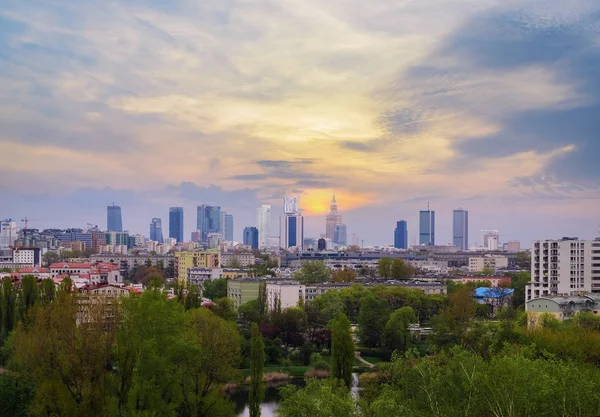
66, 265
33, 270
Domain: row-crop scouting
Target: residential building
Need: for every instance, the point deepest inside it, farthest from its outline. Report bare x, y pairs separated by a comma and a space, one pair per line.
156, 234
291, 230
340, 235
227, 226
214, 240
243, 259
332, 219
427, 227
460, 229
493, 282
198, 275
38, 273
263, 223
114, 223
74, 246
208, 220
240, 291
513, 246
251, 237
27, 256
568, 266
401, 235
495, 262
8, 233
186, 260
127, 263
117, 238
562, 307
490, 239
170, 241
285, 294
98, 239
176, 223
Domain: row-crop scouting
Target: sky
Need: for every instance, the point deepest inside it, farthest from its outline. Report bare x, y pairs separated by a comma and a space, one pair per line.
488, 105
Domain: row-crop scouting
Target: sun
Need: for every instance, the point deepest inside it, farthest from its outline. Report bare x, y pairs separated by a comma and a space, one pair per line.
315, 202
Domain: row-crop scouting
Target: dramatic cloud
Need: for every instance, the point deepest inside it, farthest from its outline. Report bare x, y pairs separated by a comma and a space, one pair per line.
488, 104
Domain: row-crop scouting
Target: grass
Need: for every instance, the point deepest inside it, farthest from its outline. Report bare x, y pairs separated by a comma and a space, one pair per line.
373, 359
294, 370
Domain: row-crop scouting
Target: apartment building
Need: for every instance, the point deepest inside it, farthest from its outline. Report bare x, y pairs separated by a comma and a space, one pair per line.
286, 293
479, 263
568, 266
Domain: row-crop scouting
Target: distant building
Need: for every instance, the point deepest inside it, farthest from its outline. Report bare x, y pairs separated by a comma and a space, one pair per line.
243, 260
186, 260
340, 235
322, 244
283, 293
495, 298
156, 230
8, 233
562, 307
114, 222
176, 223
263, 222
214, 240
479, 263
513, 246
208, 220
426, 227
291, 230
490, 239
460, 229
568, 266
332, 219
27, 256
196, 236
240, 291
227, 227
401, 235
251, 237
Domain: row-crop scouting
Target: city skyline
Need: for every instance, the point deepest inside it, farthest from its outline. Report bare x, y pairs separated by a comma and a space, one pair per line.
391, 106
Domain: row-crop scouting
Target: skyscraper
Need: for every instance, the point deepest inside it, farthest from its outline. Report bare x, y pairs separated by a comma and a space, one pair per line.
176, 223
490, 239
263, 223
291, 230
460, 234
427, 227
156, 230
251, 237
332, 219
208, 220
8, 233
401, 235
227, 226
340, 235
113, 219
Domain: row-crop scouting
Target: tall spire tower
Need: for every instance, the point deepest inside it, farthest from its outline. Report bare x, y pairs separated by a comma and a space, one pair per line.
332, 219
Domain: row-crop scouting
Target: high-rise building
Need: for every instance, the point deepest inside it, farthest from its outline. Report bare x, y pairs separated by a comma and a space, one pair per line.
291, 231
427, 227
490, 239
355, 240
227, 226
114, 222
176, 223
332, 219
401, 235
321, 244
460, 229
196, 236
251, 237
566, 266
340, 234
263, 223
8, 233
208, 220
156, 234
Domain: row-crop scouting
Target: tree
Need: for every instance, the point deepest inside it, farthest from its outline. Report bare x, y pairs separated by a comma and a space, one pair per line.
397, 329
373, 316
47, 291
215, 288
8, 309
257, 362
249, 313
487, 271
50, 258
401, 269
29, 294
224, 308
384, 267
193, 298
344, 275
145, 274
318, 399
524, 260
312, 272
518, 283
342, 350
292, 324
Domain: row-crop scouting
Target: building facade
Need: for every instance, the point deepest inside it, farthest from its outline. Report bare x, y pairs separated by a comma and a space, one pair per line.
460, 229
479, 263
28, 256
176, 223
156, 230
187, 260
263, 223
285, 294
291, 230
401, 235
227, 226
427, 227
8, 233
568, 266
240, 291
208, 220
340, 235
114, 222
332, 219
251, 237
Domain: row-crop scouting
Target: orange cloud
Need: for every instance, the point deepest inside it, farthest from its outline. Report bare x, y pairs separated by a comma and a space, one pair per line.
316, 202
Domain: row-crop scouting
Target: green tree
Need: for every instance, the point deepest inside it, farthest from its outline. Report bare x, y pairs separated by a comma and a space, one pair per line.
257, 362
8, 308
224, 308
193, 297
397, 328
50, 258
401, 270
518, 283
384, 267
328, 398
29, 294
373, 316
47, 291
215, 288
342, 350
312, 272
292, 324
344, 275
524, 260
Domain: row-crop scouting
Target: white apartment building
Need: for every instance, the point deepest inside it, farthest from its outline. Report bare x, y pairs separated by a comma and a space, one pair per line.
8, 233
244, 259
288, 293
478, 263
564, 267
263, 223
30, 257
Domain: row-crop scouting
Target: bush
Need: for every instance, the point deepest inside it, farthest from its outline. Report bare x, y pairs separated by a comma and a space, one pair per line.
318, 363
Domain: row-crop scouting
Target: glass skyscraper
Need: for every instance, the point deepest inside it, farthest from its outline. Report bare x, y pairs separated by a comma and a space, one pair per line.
114, 222
401, 235
427, 227
156, 230
208, 220
340, 234
176, 223
460, 229
227, 225
251, 237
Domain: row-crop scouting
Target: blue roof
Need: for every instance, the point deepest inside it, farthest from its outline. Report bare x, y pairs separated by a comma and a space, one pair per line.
487, 292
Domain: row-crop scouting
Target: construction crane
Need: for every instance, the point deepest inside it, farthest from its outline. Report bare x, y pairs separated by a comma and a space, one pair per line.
26, 220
